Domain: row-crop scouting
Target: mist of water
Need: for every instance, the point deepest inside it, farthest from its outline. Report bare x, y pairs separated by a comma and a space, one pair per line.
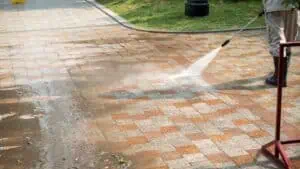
198, 67
4, 116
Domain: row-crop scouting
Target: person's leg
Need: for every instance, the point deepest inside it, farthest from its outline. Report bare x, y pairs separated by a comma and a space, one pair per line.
298, 28
274, 24
290, 24
290, 31
282, 27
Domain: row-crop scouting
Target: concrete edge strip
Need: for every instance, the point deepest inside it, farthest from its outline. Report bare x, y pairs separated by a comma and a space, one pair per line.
55, 29
123, 22
107, 11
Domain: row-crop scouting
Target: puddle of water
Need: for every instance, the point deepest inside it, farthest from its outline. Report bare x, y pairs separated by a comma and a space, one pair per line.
8, 148
4, 116
29, 116
3, 139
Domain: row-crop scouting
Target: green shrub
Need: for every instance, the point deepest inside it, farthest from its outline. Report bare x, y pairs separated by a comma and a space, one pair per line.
295, 3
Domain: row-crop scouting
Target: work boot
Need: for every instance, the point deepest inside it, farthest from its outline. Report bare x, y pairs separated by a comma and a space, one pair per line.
273, 79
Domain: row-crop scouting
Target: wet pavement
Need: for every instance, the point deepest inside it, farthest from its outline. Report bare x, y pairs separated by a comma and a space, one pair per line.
79, 91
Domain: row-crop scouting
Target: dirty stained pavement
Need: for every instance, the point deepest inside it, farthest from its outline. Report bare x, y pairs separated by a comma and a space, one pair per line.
79, 91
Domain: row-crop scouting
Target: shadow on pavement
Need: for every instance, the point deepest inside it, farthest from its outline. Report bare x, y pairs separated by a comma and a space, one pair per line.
187, 92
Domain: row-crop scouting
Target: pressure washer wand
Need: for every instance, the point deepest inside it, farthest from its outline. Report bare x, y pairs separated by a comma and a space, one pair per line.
242, 29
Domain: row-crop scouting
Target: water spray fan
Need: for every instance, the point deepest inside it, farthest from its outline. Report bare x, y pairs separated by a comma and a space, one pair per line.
225, 43
200, 64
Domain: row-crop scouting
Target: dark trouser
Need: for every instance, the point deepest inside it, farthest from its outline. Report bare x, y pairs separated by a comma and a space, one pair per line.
282, 27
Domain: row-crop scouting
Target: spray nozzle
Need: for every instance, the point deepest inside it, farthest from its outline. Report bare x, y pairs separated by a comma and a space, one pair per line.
243, 28
226, 42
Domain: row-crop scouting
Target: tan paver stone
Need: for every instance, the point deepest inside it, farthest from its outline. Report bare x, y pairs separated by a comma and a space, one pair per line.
221, 137
137, 140
178, 163
127, 127
241, 160
168, 129
258, 133
225, 165
180, 119
133, 133
153, 134
240, 122
172, 155
160, 167
196, 136
202, 164
206, 146
188, 149
218, 158
120, 116
177, 139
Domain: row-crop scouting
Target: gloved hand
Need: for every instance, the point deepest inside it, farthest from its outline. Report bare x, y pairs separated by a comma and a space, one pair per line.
261, 13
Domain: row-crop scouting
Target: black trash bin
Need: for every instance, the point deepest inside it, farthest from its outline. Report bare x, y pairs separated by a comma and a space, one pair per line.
196, 8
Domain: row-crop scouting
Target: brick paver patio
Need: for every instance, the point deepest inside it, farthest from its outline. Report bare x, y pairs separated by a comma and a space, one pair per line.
88, 85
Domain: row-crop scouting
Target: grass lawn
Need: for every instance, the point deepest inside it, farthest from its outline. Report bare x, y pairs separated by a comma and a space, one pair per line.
169, 14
